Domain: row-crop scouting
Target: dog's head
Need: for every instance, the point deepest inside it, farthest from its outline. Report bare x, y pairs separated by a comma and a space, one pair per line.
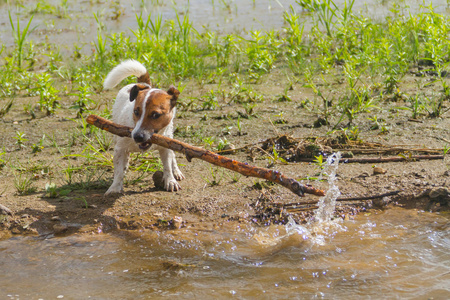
153, 110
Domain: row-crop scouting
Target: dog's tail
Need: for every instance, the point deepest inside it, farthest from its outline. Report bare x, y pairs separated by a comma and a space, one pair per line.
125, 69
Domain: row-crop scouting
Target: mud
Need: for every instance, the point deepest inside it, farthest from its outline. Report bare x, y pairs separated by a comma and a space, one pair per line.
211, 196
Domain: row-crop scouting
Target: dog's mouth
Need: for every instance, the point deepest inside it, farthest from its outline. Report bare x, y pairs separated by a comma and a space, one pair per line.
145, 145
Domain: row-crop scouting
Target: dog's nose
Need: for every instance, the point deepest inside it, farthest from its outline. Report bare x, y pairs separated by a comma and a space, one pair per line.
139, 137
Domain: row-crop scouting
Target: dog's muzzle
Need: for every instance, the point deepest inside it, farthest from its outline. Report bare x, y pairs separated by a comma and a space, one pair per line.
142, 138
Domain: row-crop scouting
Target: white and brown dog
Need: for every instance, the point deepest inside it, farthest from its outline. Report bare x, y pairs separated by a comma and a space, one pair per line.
148, 110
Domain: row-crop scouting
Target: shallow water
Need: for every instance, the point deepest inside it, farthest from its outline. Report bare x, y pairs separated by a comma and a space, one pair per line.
78, 25
393, 254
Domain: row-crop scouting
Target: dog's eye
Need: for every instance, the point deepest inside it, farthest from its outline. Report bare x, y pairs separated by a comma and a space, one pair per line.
136, 112
155, 115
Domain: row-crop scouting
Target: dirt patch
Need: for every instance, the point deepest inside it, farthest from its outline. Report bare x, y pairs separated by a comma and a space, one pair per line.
211, 195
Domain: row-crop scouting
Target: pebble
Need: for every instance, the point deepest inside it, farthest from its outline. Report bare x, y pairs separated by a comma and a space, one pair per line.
158, 180
379, 170
59, 228
177, 222
56, 218
439, 192
229, 148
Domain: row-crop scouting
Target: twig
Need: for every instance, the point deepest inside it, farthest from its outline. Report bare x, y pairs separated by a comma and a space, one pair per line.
363, 198
5, 211
380, 159
211, 157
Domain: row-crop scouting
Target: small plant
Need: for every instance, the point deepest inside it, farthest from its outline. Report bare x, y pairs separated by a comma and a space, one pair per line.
445, 149
20, 139
35, 148
249, 110
83, 199
48, 94
51, 191
239, 126
208, 141
222, 144
320, 161
210, 102
215, 177
24, 185
2, 161
84, 93
5, 109
19, 37
378, 124
276, 157
284, 97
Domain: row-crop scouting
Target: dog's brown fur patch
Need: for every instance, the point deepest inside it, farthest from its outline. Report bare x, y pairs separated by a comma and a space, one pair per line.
158, 110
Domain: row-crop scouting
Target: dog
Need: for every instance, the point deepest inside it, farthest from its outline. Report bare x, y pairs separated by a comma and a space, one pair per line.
147, 110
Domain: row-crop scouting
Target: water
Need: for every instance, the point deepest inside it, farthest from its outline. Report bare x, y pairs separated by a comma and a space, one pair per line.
229, 16
327, 203
389, 254
393, 254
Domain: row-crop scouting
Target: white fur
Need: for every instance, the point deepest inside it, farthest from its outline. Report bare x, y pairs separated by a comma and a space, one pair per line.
123, 114
123, 70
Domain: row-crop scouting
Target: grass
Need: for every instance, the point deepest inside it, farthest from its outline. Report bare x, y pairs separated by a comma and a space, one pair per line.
19, 38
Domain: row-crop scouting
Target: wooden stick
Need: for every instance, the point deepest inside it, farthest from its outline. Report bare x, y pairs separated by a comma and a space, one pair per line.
372, 160
209, 156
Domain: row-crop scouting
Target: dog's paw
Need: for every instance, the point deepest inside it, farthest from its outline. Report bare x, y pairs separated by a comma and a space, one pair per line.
171, 184
178, 175
114, 189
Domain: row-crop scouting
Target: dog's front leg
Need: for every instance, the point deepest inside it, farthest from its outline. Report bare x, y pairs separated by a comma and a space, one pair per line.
175, 170
170, 183
121, 154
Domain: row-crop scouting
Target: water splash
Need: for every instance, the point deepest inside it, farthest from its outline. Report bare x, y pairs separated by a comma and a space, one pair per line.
322, 226
327, 203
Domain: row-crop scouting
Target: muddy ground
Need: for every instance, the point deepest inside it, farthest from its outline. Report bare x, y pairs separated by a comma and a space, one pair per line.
203, 203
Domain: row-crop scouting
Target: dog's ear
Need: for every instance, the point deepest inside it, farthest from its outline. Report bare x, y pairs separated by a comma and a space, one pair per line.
174, 93
135, 91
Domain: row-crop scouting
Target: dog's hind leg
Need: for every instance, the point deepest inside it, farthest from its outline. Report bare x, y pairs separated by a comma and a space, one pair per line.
121, 154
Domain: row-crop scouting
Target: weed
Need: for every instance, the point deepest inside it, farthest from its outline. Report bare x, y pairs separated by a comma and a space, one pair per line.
210, 101
84, 93
445, 149
20, 139
19, 37
249, 110
2, 161
6, 108
209, 141
37, 147
216, 178
239, 126
51, 190
100, 45
284, 97
260, 56
24, 185
48, 94
83, 199
320, 161
222, 144
379, 124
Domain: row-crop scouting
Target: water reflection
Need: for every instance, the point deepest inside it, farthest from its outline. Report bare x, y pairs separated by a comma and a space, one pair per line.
396, 253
